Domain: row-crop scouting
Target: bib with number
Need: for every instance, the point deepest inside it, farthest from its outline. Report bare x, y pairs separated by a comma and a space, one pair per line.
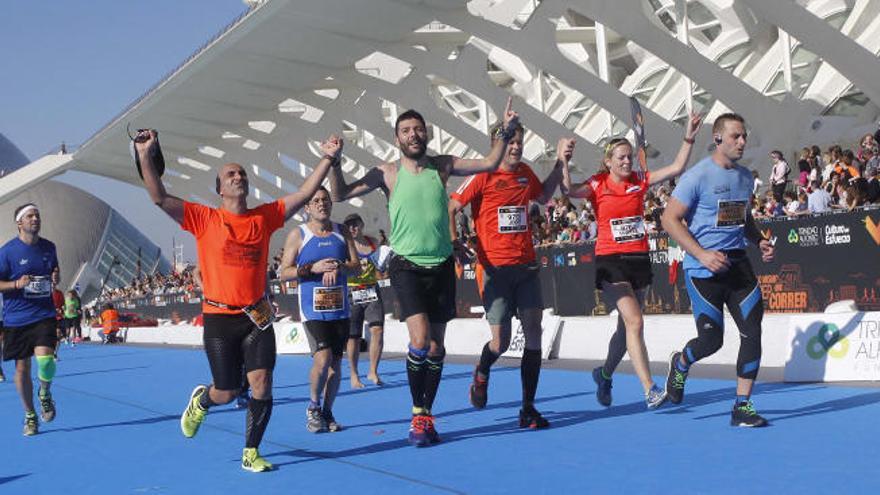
731, 213
628, 229
38, 287
328, 298
364, 295
262, 313
512, 219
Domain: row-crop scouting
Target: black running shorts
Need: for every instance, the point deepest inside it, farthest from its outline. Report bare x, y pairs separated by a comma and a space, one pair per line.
634, 268
421, 289
19, 342
327, 334
233, 341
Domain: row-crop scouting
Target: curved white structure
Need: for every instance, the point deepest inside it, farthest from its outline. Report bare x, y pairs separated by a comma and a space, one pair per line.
289, 72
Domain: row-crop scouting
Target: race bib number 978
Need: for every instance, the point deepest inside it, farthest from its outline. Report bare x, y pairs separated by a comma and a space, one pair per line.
512, 219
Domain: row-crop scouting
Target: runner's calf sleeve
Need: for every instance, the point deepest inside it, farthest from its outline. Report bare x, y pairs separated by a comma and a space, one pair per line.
487, 359
529, 371
259, 412
749, 360
433, 373
616, 349
46, 368
415, 373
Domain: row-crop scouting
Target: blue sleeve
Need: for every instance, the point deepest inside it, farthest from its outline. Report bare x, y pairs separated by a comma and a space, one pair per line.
4, 266
687, 189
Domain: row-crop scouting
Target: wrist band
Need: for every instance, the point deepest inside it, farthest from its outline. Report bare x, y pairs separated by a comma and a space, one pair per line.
689, 141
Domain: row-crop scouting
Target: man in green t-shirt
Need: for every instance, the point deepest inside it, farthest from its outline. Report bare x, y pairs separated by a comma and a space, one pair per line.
72, 316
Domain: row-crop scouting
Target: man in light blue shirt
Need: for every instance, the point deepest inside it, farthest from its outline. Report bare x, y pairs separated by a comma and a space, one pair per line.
714, 199
819, 201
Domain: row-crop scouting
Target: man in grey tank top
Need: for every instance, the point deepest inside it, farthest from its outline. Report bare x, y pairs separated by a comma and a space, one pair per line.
422, 270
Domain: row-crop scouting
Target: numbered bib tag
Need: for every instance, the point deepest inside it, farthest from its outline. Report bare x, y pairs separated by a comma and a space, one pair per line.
731, 213
628, 229
38, 287
328, 298
512, 219
364, 295
262, 313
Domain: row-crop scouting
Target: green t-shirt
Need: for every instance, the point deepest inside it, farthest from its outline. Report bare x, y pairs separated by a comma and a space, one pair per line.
71, 308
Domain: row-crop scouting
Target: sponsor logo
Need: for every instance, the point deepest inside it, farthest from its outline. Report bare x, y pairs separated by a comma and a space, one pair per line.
23, 261
721, 189
572, 259
586, 258
559, 260
632, 189
545, 261
827, 341
522, 180
805, 236
836, 234
293, 336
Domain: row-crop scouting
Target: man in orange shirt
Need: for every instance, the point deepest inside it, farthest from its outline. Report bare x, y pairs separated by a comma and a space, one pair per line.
509, 283
110, 324
233, 246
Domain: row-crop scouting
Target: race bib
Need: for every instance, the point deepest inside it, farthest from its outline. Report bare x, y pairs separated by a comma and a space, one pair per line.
628, 229
262, 313
328, 298
38, 287
512, 219
731, 213
364, 295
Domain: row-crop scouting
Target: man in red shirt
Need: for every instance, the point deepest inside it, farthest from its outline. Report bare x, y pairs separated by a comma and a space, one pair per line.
499, 206
233, 248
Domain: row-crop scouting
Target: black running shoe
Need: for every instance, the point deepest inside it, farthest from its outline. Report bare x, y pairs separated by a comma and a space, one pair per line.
479, 392
603, 387
744, 414
529, 417
675, 380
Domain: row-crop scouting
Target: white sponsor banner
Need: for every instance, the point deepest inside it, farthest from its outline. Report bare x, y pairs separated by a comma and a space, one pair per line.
290, 338
549, 328
834, 347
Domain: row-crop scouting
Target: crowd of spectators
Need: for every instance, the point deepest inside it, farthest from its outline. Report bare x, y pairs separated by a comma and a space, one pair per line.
180, 282
838, 179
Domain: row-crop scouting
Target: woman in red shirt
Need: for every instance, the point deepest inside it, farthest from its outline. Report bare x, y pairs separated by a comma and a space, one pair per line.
623, 268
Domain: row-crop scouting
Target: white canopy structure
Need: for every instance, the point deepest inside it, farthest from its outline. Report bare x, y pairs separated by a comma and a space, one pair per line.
287, 73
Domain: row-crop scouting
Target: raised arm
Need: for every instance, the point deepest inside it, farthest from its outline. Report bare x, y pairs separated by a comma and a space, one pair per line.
677, 167
332, 149
490, 162
340, 191
673, 223
171, 205
564, 152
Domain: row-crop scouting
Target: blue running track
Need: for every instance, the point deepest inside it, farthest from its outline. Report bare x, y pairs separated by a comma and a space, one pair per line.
118, 432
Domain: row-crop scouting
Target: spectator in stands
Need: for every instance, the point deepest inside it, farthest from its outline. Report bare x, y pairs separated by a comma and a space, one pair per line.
867, 148
819, 201
803, 172
856, 193
110, 325
872, 172
779, 174
833, 161
848, 167
383, 239
758, 182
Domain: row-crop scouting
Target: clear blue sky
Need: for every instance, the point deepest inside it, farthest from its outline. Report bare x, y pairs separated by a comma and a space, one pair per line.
68, 67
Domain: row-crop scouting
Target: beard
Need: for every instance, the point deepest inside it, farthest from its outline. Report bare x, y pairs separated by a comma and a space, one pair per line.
414, 155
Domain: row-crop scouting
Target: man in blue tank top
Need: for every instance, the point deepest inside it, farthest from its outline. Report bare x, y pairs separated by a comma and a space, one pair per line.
28, 269
320, 255
422, 271
714, 199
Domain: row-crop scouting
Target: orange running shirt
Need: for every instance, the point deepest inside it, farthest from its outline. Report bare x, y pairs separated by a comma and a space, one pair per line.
500, 206
233, 251
620, 213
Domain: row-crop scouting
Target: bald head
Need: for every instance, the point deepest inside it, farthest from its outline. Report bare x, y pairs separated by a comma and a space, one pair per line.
231, 180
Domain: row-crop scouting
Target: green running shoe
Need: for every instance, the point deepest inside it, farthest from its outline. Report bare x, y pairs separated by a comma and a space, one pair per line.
675, 380
30, 424
193, 415
253, 462
47, 407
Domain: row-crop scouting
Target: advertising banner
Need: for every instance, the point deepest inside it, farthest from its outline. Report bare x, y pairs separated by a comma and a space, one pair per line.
834, 347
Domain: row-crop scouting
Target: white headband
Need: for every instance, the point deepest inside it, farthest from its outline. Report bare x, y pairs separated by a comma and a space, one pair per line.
24, 211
